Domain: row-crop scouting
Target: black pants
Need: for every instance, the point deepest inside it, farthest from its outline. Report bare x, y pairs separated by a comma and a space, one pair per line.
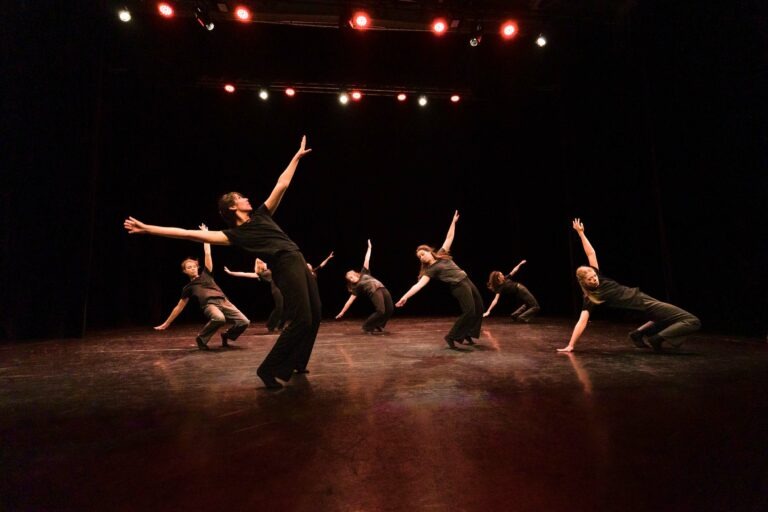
302, 316
382, 302
275, 320
668, 321
471, 303
530, 305
219, 312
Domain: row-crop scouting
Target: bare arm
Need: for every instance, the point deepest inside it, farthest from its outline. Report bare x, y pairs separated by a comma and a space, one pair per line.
578, 329
493, 305
421, 283
136, 227
326, 260
252, 275
273, 201
451, 232
588, 249
346, 306
517, 267
367, 260
207, 251
174, 313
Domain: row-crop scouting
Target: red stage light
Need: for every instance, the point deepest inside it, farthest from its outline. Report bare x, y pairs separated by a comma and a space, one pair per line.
165, 9
360, 20
439, 26
401, 97
455, 98
229, 88
508, 29
290, 91
242, 13
356, 95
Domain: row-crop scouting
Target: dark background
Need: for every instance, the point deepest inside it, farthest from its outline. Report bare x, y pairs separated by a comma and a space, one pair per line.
647, 120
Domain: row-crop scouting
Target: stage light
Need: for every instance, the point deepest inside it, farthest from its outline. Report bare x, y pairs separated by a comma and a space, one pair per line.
541, 41
165, 9
263, 94
401, 97
360, 20
290, 91
343, 98
242, 13
124, 15
357, 95
439, 26
422, 101
202, 18
508, 29
229, 88
455, 98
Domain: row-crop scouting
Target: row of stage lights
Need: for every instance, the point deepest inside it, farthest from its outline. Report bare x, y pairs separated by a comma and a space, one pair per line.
360, 20
345, 97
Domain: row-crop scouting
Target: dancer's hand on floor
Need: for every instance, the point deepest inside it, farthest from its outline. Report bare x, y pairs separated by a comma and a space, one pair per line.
566, 349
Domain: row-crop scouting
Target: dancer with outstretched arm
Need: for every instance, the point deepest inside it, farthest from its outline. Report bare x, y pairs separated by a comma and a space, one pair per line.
363, 283
500, 284
667, 323
262, 272
256, 232
440, 265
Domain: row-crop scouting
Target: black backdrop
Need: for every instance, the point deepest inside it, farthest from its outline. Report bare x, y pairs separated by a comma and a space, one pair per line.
648, 123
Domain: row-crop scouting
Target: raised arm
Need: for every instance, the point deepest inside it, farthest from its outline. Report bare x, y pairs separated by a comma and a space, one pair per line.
367, 260
273, 201
493, 305
136, 227
174, 313
421, 283
207, 251
514, 270
252, 275
588, 249
346, 306
451, 232
578, 329
325, 261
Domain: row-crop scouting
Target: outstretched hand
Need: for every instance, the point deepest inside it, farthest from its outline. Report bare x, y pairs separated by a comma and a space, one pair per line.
455, 216
161, 327
578, 226
401, 303
302, 149
203, 227
134, 226
338, 317
566, 349
227, 270
369, 243
485, 315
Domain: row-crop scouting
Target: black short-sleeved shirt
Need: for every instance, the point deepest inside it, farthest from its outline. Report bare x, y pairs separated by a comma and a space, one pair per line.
203, 288
445, 270
367, 285
613, 295
508, 287
260, 235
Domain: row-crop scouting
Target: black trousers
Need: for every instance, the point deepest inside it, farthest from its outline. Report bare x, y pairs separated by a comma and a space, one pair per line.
293, 347
530, 305
275, 319
668, 321
382, 302
471, 303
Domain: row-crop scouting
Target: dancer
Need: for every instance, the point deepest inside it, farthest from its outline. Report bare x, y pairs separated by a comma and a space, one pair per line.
321, 265
364, 283
668, 323
440, 265
213, 303
262, 273
256, 232
499, 283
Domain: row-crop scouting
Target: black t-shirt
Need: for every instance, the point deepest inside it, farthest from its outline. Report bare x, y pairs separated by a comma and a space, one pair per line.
613, 295
367, 285
508, 287
203, 288
260, 235
445, 270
